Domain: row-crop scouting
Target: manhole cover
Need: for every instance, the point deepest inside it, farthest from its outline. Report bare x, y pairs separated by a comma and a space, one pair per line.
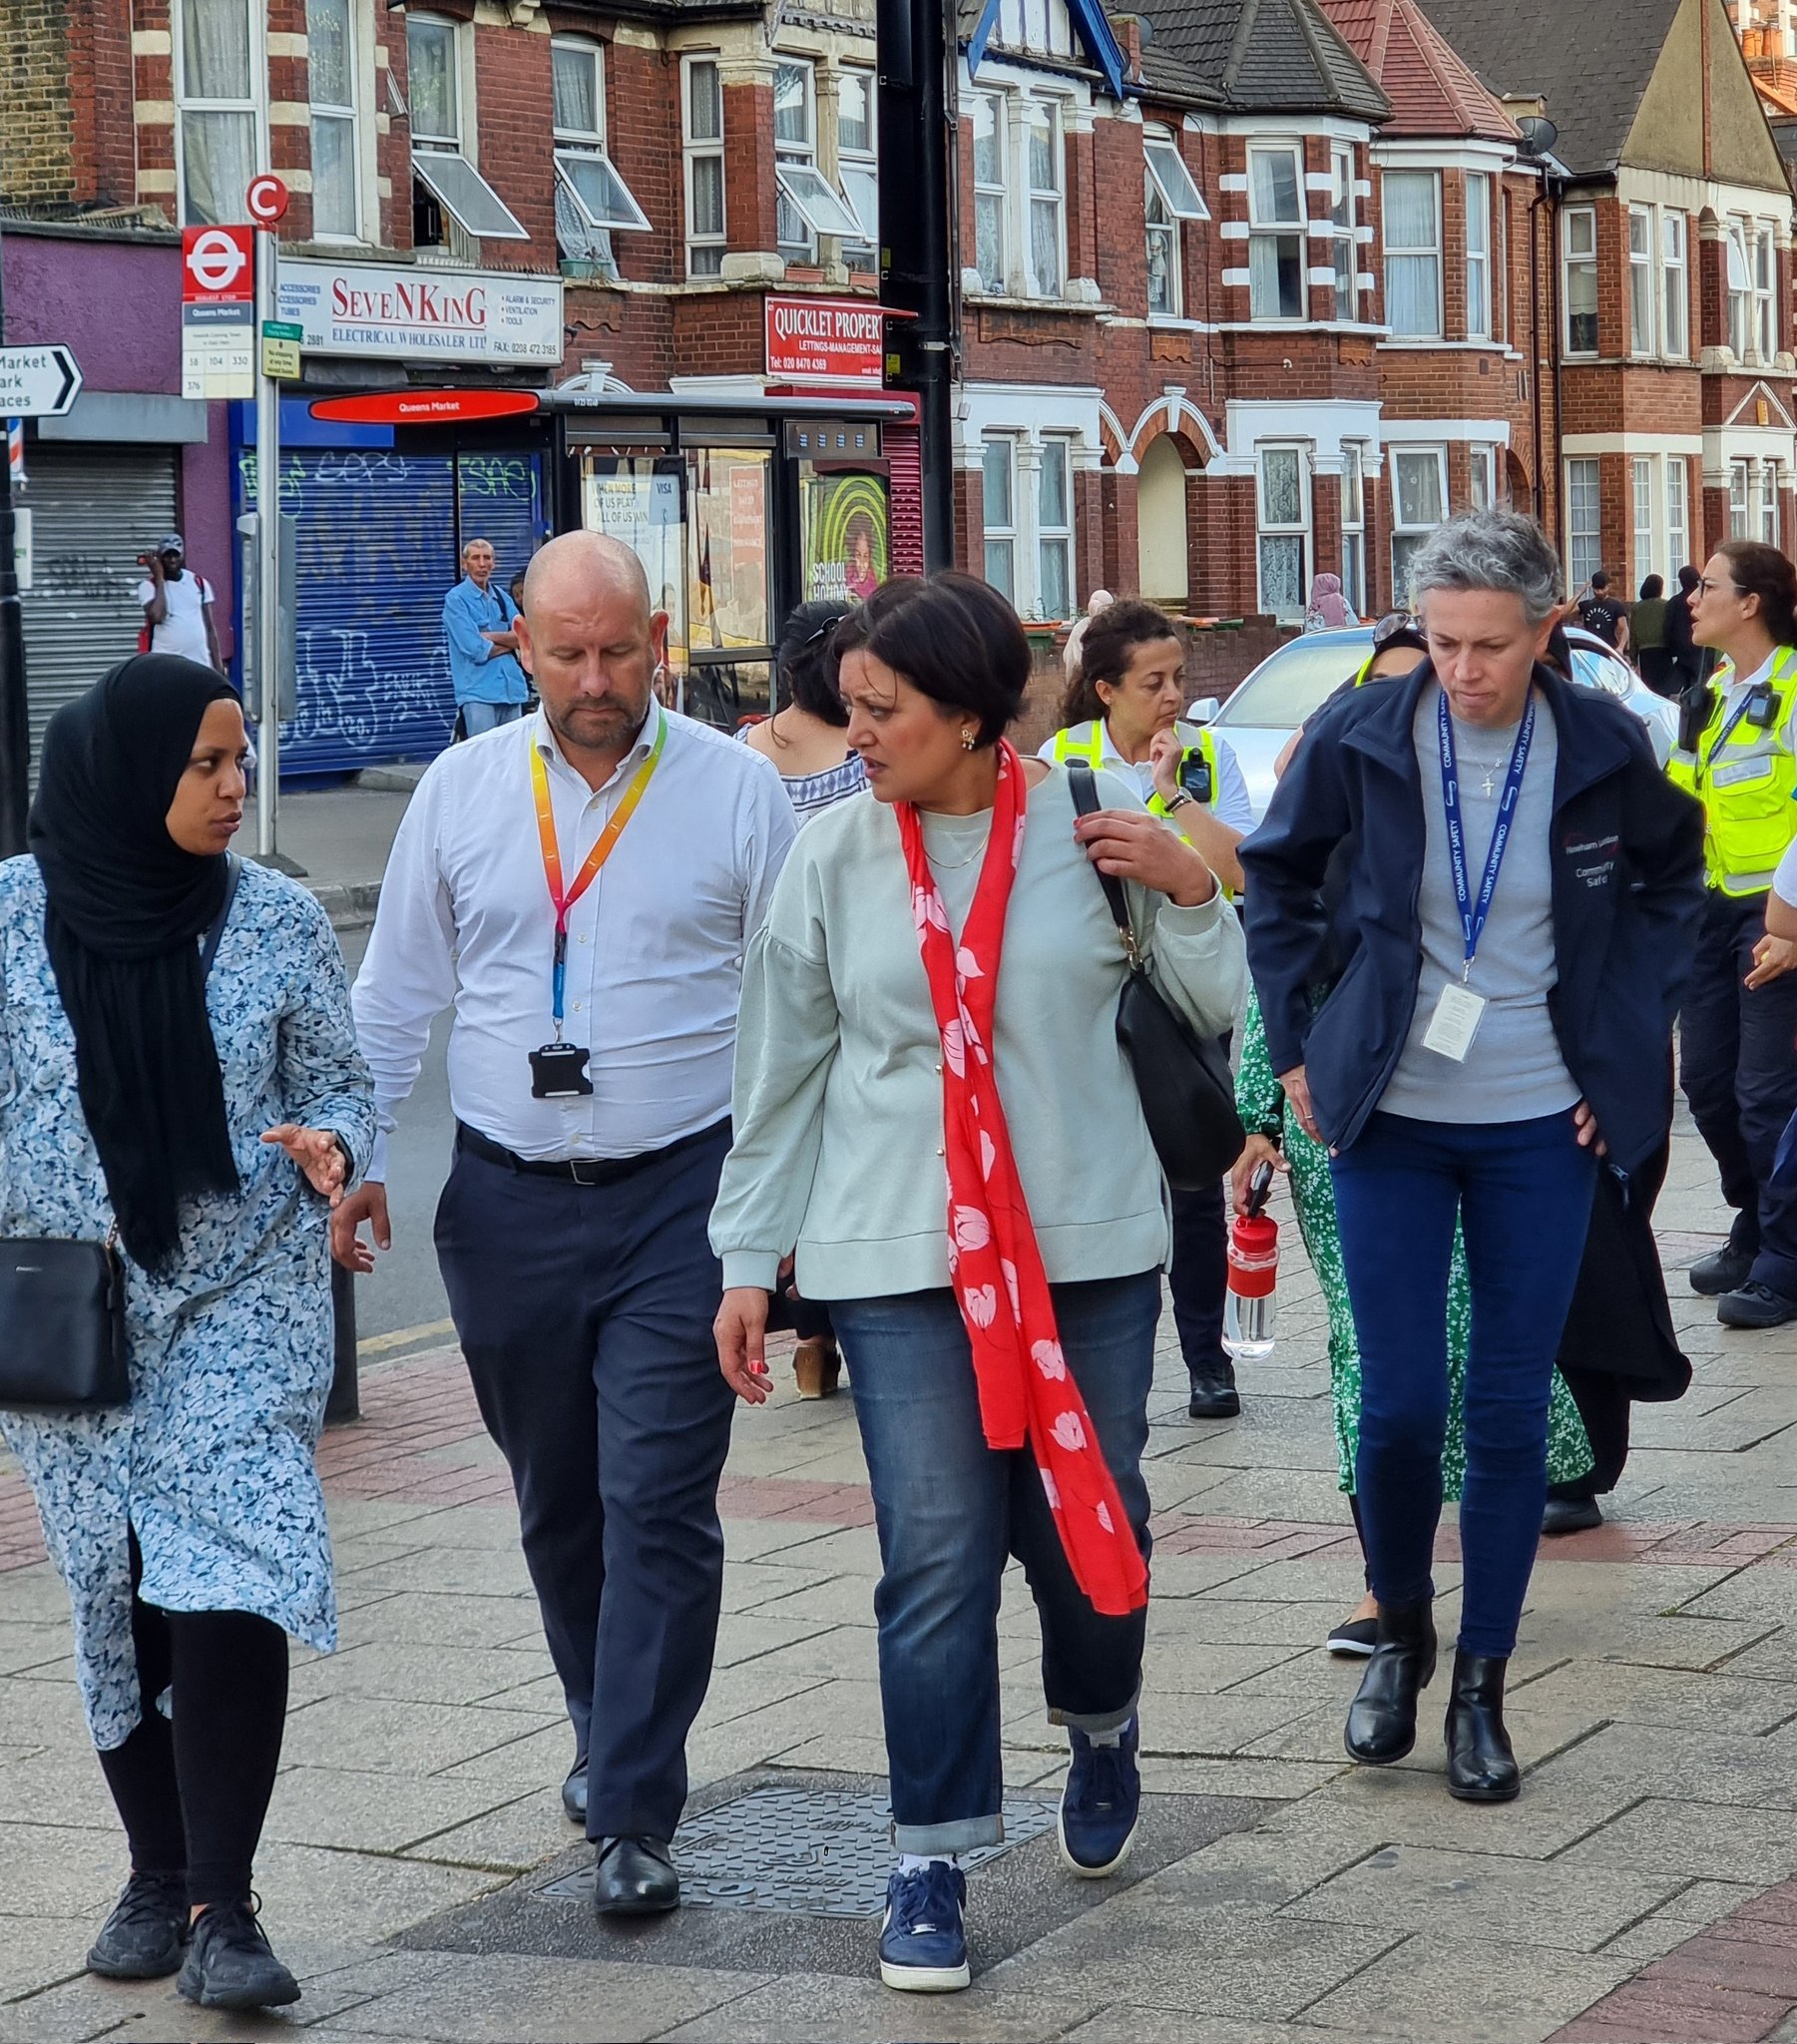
808, 1851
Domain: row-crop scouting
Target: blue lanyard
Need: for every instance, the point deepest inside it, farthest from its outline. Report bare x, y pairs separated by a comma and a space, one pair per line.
1773, 678
1473, 914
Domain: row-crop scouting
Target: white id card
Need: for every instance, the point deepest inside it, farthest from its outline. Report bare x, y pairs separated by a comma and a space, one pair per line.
1454, 1022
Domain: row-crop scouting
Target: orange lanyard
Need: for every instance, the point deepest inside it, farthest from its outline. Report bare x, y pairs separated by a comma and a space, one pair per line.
561, 900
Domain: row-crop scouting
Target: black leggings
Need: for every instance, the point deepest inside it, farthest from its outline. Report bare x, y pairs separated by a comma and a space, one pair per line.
193, 1791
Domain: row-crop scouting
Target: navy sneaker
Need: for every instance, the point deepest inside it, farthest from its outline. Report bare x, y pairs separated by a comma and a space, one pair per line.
923, 1948
1099, 1804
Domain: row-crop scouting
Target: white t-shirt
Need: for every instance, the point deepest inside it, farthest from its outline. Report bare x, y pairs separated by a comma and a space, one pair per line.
182, 631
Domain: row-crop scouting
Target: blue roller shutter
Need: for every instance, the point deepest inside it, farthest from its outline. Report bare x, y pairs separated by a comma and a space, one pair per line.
502, 502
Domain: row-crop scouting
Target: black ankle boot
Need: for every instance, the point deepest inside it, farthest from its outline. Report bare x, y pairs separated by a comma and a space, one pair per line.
1382, 1719
1480, 1765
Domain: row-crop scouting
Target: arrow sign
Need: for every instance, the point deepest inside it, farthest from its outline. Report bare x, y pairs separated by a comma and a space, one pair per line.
38, 382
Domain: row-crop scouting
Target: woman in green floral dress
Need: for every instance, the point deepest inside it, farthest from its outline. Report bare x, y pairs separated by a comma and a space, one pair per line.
1275, 1137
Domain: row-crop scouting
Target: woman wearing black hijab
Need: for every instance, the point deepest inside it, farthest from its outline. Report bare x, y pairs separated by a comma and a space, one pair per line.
210, 1117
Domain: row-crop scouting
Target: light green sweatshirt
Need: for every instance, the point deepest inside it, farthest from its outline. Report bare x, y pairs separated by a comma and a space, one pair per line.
837, 1101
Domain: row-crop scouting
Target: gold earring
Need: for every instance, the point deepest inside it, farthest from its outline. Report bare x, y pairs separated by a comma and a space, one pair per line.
968, 739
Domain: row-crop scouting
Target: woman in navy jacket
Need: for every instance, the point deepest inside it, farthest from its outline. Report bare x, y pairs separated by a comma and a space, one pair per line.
1514, 891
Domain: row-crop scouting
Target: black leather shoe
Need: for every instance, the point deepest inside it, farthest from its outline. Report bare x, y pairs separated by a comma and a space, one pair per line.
1214, 1392
1569, 1515
635, 1877
574, 1795
1726, 1269
1382, 1719
1480, 1765
229, 1964
145, 1937
1755, 1306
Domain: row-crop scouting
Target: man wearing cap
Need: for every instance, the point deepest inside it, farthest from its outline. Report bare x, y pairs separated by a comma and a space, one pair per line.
177, 607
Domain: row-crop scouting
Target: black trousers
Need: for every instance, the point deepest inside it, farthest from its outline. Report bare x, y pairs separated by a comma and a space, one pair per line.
1739, 1071
585, 1313
1200, 1275
192, 1790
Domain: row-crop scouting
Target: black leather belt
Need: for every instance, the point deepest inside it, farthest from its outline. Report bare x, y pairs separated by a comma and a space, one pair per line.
579, 1171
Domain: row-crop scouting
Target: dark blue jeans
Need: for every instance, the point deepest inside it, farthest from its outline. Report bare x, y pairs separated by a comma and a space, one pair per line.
1523, 1194
949, 1511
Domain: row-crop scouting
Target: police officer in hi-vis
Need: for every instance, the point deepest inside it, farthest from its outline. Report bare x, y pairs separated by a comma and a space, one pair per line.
1121, 711
1737, 753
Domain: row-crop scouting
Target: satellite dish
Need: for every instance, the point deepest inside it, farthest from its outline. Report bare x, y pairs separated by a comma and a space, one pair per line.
1539, 135
1145, 30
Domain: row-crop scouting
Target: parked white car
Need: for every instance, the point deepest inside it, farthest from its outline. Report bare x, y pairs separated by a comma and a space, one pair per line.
1292, 683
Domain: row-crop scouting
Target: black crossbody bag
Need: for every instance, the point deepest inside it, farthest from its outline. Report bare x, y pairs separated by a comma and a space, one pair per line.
1187, 1092
62, 1304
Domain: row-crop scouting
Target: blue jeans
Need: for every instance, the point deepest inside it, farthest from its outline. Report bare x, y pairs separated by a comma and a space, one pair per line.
484, 717
950, 1509
1523, 1194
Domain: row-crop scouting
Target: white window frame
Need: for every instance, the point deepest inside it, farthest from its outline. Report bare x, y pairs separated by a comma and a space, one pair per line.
1674, 286
432, 154
1573, 260
1429, 253
337, 114
1737, 278
1344, 242
1643, 322
1584, 544
1171, 198
1765, 293
994, 193
1060, 536
803, 155
1408, 528
1294, 229
1481, 298
1043, 198
704, 246
1482, 477
1014, 202
1740, 500
577, 148
187, 104
862, 165
1001, 534
1767, 506
1641, 504
1268, 529
1354, 526
1678, 539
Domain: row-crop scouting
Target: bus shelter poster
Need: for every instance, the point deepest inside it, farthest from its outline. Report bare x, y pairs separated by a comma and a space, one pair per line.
847, 537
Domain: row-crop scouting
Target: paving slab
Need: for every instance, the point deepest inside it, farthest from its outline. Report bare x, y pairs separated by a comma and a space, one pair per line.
1480, 1991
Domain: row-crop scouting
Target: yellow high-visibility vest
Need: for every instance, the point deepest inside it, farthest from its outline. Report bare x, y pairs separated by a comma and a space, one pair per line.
1745, 776
1087, 741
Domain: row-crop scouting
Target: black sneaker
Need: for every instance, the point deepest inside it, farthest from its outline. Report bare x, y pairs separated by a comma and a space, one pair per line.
1755, 1306
145, 1937
1726, 1269
231, 1965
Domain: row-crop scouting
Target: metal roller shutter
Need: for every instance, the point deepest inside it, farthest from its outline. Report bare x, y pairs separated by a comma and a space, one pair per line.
92, 511
904, 455
502, 501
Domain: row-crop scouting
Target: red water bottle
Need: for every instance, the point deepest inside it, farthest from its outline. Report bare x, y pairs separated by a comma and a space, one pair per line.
1253, 1274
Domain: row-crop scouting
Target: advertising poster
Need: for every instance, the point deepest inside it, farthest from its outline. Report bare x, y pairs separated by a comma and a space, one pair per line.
846, 537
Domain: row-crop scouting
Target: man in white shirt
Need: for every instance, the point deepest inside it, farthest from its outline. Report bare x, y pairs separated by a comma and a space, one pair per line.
590, 1070
178, 606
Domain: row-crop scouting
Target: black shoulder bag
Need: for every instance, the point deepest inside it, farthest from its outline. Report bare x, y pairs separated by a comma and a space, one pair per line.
1188, 1093
62, 1304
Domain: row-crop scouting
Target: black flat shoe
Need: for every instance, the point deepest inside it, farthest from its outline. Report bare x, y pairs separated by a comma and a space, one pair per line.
145, 1937
229, 1964
1755, 1306
1354, 1639
1726, 1269
574, 1795
635, 1877
1382, 1719
1214, 1392
1569, 1515
1480, 1765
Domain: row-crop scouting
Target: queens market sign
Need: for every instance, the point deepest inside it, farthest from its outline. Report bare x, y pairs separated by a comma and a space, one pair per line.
462, 316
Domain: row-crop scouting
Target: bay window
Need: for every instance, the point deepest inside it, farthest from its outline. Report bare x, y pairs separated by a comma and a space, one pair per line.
1642, 504
1413, 254
1678, 545
1482, 478
1019, 187
1584, 529
1045, 176
1170, 198
1343, 243
1353, 526
1275, 233
702, 152
857, 164
1283, 534
998, 489
1479, 255
1579, 278
1765, 273
1642, 336
1738, 519
1740, 288
1675, 304
1055, 531
991, 254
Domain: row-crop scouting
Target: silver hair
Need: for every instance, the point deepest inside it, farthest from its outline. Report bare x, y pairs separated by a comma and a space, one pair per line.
1499, 550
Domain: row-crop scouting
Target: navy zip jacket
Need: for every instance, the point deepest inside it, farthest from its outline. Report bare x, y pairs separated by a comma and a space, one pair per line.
1628, 885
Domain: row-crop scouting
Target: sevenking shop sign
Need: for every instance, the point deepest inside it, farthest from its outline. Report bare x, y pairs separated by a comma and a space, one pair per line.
824, 341
462, 316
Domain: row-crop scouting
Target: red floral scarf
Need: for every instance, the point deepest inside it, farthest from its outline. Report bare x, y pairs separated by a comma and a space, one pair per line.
1027, 1394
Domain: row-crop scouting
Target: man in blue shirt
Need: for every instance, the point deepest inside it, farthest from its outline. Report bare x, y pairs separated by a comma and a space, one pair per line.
478, 623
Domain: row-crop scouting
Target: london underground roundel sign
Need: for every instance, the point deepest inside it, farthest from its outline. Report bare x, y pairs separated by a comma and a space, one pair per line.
218, 262
266, 199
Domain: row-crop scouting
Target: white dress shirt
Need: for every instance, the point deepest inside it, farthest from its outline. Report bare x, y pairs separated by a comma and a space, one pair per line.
654, 944
1231, 803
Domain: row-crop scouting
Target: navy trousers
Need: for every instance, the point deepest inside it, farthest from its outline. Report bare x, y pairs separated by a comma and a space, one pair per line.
585, 1313
1739, 1057
1200, 1275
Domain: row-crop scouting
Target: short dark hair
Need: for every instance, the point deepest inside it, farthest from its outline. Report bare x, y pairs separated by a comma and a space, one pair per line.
1650, 589
1689, 577
1106, 650
953, 637
1599, 580
1762, 571
806, 659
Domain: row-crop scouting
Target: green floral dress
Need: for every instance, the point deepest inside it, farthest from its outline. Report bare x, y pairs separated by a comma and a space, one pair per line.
1261, 1100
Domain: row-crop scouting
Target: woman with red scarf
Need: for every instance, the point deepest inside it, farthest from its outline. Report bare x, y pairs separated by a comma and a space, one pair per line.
932, 1112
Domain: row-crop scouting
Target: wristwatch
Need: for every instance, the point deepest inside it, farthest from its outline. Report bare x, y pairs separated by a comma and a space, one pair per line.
1177, 799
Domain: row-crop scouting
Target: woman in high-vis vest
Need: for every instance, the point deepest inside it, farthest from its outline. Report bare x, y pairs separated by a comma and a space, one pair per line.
1738, 1071
1122, 712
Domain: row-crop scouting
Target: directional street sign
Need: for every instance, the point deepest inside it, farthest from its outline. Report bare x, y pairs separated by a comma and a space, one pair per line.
38, 382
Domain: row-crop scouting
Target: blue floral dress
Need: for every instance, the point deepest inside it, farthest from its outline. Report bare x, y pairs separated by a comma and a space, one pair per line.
210, 1464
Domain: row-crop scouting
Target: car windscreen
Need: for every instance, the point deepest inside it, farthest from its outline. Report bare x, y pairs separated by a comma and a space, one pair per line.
1294, 683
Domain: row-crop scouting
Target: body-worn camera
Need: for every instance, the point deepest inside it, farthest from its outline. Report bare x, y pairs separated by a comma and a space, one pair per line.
559, 1072
1194, 776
